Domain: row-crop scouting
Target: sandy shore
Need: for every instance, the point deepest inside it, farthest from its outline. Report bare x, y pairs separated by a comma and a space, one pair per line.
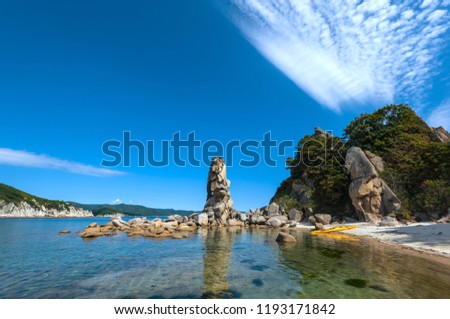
424, 237
421, 237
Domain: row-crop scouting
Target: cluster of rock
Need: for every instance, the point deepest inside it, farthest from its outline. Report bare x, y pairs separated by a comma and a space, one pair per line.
371, 196
275, 216
35, 210
175, 227
272, 215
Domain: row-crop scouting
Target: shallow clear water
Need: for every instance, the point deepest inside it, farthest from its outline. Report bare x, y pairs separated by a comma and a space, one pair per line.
37, 262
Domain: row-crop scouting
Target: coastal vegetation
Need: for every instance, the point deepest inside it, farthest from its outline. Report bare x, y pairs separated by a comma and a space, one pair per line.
416, 159
130, 210
10, 194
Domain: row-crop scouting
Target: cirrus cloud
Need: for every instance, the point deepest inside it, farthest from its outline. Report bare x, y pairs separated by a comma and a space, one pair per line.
347, 52
440, 116
28, 159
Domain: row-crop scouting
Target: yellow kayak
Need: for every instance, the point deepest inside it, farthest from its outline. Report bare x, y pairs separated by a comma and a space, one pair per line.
331, 230
339, 236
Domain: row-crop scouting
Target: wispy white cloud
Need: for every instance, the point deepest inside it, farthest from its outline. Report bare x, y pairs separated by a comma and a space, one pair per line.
116, 201
348, 52
27, 159
440, 116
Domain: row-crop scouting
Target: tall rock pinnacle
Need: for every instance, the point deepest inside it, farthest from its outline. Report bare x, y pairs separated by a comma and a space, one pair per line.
219, 205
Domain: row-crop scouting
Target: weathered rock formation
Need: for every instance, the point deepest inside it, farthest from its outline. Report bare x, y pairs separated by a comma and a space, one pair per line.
370, 195
34, 209
219, 206
440, 134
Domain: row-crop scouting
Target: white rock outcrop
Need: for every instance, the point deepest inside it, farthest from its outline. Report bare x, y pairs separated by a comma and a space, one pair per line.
27, 210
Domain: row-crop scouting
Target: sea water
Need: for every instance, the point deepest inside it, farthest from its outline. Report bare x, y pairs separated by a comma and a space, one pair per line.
37, 262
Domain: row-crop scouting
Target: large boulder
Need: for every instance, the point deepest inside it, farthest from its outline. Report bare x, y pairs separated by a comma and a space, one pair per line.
242, 217
256, 218
118, 222
277, 221
260, 220
370, 195
324, 219
202, 219
157, 223
272, 210
295, 215
136, 221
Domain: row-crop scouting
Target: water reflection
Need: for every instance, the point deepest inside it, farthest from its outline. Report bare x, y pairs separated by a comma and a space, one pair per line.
216, 261
339, 267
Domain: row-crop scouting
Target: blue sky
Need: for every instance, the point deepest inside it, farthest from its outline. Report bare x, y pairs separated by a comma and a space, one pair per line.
74, 74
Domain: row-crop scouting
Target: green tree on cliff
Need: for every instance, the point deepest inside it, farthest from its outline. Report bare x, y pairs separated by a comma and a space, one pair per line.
320, 159
418, 165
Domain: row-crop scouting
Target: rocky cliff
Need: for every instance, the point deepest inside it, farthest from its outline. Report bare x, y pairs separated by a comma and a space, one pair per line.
388, 166
18, 204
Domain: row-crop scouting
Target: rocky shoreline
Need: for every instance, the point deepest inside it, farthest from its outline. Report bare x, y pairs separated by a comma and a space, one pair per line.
218, 210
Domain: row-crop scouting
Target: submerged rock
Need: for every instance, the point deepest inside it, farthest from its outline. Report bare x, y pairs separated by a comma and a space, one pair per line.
357, 283
285, 238
91, 232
